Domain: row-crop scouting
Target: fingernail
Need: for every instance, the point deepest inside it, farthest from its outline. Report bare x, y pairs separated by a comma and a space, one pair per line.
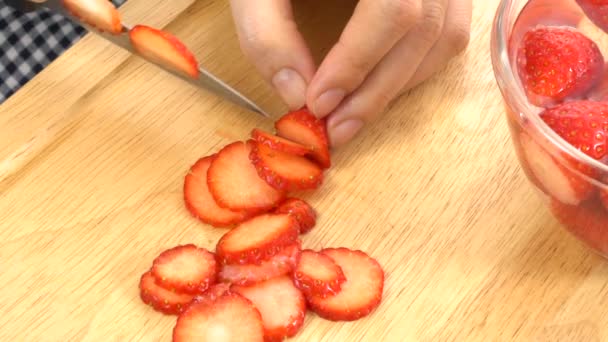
327, 102
344, 131
291, 87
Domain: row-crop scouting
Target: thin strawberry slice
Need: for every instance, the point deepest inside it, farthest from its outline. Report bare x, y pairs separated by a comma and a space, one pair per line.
304, 128
604, 197
201, 203
279, 144
164, 49
235, 184
301, 211
281, 304
257, 239
318, 275
285, 171
231, 318
162, 300
100, 14
185, 268
360, 294
212, 294
281, 264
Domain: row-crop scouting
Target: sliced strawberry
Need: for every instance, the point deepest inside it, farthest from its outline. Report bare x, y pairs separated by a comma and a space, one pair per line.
185, 268
318, 275
285, 171
163, 48
235, 184
360, 294
162, 300
279, 144
284, 262
212, 294
596, 11
231, 318
304, 128
281, 304
558, 63
257, 239
201, 203
587, 221
604, 197
301, 211
100, 14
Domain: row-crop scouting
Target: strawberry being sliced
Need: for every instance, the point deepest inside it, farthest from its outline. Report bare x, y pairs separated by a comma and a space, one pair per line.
162, 300
201, 203
281, 305
360, 294
185, 268
231, 318
100, 14
285, 171
587, 221
318, 275
558, 63
279, 144
235, 184
163, 48
284, 262
301, 211
257, 239
596, 11
304, 128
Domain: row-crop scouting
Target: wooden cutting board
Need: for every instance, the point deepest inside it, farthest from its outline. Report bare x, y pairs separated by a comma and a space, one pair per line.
93, 153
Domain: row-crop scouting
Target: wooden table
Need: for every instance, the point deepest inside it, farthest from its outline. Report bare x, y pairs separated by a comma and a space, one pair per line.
92, 157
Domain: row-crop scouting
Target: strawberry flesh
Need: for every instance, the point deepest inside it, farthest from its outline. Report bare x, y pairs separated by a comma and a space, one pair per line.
212, 294
280, 144
301, 211
100, 14
185, 268
304, 128
161, 299
596, 11
318, 275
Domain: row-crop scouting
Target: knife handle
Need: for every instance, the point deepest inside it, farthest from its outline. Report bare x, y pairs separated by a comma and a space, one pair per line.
25, 6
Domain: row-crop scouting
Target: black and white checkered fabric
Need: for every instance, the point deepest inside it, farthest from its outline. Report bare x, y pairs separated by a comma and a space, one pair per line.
29, 42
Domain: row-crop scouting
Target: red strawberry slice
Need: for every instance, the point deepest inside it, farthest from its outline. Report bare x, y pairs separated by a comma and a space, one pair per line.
235, 184
164, 49
558, 63
201, 203
162, 300
301, 211
212, 294
100, 14
304, 128
281, 264
587, 221
604, 197
596, 11
285, 171
281, 304
231, 318
279, 144
360, 294
257, 239
318, 275
185, 268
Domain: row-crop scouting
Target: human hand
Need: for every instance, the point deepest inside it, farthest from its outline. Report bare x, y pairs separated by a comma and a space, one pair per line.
387, 47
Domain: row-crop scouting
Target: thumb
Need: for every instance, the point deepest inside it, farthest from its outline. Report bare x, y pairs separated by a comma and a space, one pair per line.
269, 37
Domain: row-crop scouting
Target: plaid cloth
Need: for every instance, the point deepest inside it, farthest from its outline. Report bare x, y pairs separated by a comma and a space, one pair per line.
29, 42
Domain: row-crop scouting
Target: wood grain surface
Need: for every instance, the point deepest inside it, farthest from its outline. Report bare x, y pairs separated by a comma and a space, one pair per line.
93, 153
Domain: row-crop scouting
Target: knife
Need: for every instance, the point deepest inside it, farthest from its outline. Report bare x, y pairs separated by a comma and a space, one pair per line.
92, 15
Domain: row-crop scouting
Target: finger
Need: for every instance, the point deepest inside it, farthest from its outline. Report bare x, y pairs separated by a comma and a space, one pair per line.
454, 39
269, 37
389, 77
373, 30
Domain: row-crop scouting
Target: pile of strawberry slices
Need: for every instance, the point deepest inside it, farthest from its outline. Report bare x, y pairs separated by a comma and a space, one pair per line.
259, 282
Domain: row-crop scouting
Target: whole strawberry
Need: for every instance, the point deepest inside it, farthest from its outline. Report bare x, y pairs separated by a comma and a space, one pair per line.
596, 11
558, 63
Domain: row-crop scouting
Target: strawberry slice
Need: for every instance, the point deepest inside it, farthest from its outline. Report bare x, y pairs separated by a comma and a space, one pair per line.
257, 239
100, 14
596, 11
304, 128
301, 211
281, 264
164, 49
285, 171
162, 300
587, 221
558, 63
281, 305
185, 268
318, 275
279, 144
212, 294
360, 294
235, 184
604, 197
201, 203
231, 318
